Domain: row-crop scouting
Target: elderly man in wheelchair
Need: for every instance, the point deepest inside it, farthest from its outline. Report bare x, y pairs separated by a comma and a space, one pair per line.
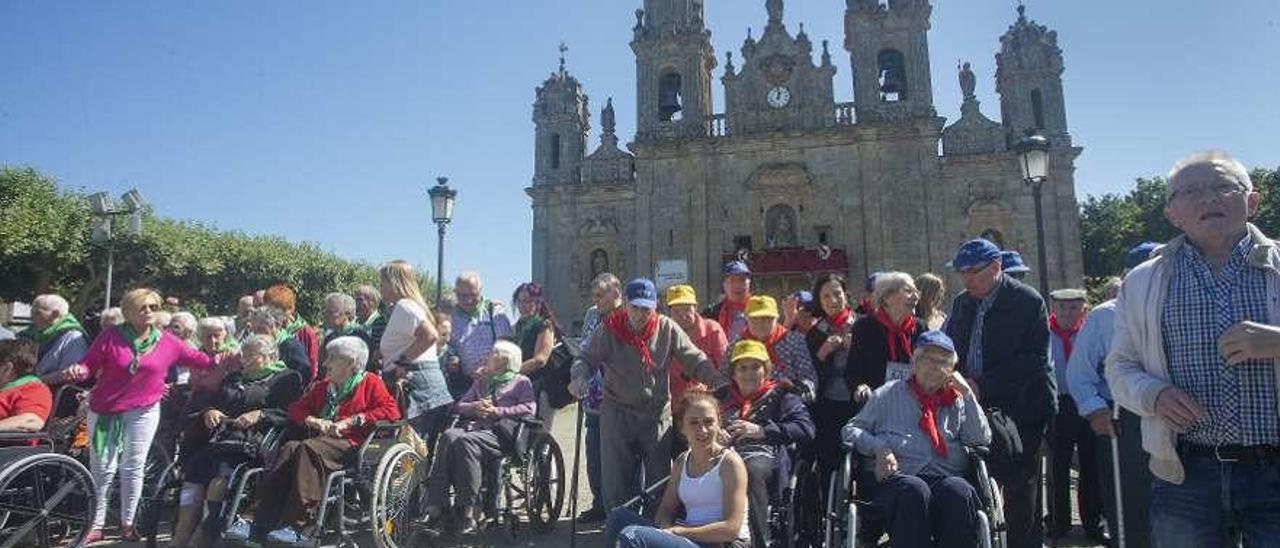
918, 432
762, 420
46, 498
338, 413
230, 429
489, 412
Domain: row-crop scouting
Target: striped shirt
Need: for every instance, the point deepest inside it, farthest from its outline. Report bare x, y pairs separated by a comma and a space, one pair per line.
1239, 400
891, 419
473, 336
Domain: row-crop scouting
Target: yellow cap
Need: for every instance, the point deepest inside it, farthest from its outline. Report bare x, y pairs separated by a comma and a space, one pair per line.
681, 294
762, 306
748, 348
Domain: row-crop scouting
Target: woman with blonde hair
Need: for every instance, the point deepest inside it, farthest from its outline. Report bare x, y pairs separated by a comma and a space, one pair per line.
408, 350
929, 307
129, 363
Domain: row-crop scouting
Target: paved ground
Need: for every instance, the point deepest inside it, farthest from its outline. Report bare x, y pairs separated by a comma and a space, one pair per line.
589, 536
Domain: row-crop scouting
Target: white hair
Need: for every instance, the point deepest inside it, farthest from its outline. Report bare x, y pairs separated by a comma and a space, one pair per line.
606, 281
471, 277
351, 349
369, 292
52, 302
112, 316
1112, 288
509, 354
273, 315
211, 323
888, 282
186, 319
345, 303
162, 318
260, 345
1218, 158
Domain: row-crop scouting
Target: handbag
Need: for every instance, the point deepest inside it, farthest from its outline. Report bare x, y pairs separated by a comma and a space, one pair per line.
554, 377
1006, 442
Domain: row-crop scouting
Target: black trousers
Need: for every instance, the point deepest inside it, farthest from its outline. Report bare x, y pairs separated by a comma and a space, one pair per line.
920, 509
1071, 434
1020, 482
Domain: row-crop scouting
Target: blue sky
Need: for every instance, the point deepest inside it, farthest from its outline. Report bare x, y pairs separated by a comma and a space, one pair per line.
325, 121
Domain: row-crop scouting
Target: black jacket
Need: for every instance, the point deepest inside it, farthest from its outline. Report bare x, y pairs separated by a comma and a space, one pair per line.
870, 353
1016, 374
237, 396
294, 355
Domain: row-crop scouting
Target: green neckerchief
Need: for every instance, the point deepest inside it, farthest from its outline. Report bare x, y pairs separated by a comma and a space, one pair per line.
349, 328
528, 324
266, 370
20, 381
107, 430
282, 335
139, 349
480, 306
372, 318
500, 380
333, 398
66, 323
228, 345
295, 326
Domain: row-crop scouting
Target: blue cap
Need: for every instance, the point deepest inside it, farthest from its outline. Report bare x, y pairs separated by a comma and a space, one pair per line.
975, 252
805, 298
937, 339
641, 293
1139, 254
736, 268
1011, 262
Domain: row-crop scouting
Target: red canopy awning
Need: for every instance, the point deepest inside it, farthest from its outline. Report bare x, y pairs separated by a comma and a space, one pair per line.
794, 260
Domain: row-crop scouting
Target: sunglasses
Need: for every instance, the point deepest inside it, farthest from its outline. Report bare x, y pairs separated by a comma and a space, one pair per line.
149, 307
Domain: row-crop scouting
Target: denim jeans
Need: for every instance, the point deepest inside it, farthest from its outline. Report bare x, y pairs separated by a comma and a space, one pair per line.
1219, 504
627, 529
593, 459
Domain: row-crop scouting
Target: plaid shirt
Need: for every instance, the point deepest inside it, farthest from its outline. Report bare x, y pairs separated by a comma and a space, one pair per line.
472, 337
595, 387
974, 360
1239, 400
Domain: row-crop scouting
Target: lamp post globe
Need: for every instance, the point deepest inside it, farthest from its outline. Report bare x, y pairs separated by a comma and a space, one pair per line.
1033, 160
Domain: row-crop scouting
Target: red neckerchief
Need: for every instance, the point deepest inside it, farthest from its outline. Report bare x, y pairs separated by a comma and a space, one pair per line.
617, 324
899, 335
929, 403
1065, 334
838, 321
729, 309
744, 402
774, 336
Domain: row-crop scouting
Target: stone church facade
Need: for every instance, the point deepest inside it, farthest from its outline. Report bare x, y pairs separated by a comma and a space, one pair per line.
787, 178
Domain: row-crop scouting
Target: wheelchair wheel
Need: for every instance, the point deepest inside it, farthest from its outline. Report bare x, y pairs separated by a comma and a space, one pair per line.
546, 486
842, 513
160, 489
393, 507
47, 499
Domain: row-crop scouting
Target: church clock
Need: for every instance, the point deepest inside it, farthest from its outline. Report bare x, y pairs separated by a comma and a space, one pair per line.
779, 97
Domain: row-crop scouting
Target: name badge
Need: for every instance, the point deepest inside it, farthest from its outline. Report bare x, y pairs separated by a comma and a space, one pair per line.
897, 371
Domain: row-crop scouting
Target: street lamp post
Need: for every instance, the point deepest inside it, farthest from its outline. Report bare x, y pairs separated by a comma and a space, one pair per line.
105, 209
1033, 159
442, 198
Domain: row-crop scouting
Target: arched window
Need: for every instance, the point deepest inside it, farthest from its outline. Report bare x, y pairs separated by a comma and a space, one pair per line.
1037, 108
555, 151
670, 96
892, 71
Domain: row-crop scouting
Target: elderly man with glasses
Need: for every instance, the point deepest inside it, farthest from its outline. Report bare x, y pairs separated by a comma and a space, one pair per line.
1001, 331
1195, 354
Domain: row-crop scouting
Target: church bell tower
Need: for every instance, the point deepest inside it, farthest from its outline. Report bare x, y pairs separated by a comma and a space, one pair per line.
674, 60
561, 120
888, 41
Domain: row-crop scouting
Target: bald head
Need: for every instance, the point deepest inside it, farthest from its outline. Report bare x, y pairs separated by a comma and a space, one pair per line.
466, 289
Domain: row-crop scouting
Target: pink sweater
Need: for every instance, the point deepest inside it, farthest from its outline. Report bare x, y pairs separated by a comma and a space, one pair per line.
116, 391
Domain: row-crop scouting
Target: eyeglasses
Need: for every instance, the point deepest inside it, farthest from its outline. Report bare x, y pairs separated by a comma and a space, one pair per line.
1222, 190
149, 308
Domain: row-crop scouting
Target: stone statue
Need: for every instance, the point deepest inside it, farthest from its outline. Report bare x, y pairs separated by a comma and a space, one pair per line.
780, 227
599, 263
774, 8
608, 120
967, 81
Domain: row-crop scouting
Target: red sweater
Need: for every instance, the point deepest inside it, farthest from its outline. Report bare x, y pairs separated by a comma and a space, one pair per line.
310, 341
370, 399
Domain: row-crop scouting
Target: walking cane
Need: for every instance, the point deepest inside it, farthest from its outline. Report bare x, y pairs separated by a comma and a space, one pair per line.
1118, 526
573, 502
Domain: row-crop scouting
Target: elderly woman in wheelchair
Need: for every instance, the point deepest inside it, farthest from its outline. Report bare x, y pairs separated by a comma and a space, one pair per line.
229, 430
918, 431
338, 412
25, 402
762, 418
500, 396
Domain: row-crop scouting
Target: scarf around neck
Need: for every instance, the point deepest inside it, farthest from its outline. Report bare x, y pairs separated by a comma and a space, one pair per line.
42, 337
266, 370
20, 381
617, 324
899, 335
334, 397
770, 344
295, 326
929, 404
728, 311
840, 319
744, 401
1065, 333
138, 348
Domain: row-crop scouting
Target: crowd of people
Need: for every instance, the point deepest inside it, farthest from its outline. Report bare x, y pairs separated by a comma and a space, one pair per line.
1171, 381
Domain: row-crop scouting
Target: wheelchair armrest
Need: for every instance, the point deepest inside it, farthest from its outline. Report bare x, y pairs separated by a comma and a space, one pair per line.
379, 428
977, 451
40, 438
530, 420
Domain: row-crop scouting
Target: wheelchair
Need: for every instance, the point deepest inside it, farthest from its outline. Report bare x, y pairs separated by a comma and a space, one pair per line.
843, 504
789, 526
46, 497
526, 484
374, 492
241, 481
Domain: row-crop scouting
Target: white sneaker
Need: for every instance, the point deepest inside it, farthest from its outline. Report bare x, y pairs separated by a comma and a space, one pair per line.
284, 535
239, 530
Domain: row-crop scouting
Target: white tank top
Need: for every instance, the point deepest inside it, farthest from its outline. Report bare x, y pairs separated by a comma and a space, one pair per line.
703, 498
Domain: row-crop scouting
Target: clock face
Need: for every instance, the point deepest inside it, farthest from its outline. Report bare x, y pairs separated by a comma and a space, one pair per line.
779, 97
